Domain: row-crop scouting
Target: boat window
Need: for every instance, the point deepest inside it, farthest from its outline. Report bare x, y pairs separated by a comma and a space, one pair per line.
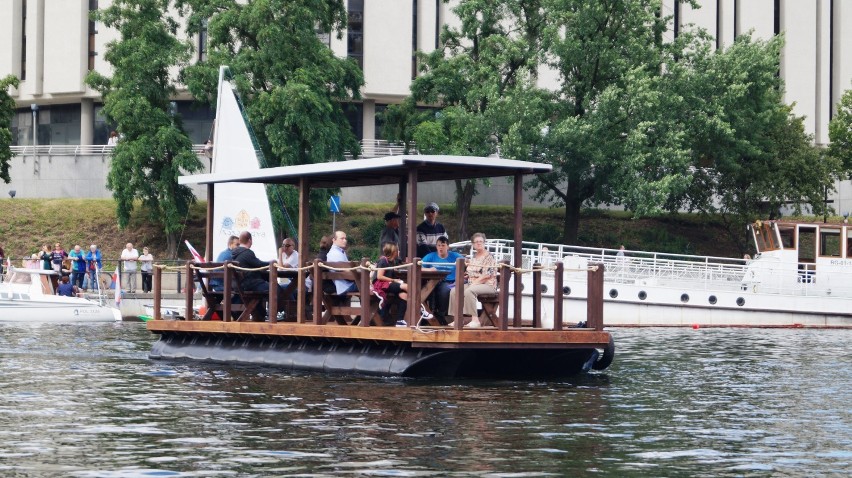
829, 242
788, 237
764, 237
849, 242
807, 244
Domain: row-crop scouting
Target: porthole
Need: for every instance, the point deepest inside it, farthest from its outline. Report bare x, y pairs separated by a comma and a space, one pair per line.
543, 289
643, 295
712, 299
566, 290
684, 298
740, 301
613, 293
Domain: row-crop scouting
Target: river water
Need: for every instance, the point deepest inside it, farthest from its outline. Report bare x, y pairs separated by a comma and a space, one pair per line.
84, 400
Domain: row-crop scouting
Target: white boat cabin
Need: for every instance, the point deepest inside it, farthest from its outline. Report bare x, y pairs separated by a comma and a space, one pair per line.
812, 253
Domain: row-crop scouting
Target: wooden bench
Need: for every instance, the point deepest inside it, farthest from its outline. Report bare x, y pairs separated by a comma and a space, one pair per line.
213, 298
494, 303
251, 300
338, 308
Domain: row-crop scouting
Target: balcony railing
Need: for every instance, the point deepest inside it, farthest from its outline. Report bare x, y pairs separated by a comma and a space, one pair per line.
369, 149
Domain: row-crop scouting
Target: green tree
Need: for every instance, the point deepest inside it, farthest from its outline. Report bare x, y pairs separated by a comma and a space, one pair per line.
495, 50
7, 112
607, 127
751, 155
840, 133
296, 91
154, 149
401, 122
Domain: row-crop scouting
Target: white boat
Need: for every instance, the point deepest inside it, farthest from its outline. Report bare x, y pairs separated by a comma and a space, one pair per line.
800, 277
27, 295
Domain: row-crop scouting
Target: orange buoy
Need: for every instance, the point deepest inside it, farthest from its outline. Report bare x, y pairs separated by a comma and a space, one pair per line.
696, 326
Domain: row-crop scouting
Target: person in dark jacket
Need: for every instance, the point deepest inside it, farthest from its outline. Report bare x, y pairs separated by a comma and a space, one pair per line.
255, 281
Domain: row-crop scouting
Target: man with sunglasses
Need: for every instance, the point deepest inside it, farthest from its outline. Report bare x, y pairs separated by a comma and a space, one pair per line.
429, 230
289, 256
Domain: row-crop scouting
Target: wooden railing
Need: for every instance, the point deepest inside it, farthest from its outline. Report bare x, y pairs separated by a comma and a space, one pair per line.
594, 303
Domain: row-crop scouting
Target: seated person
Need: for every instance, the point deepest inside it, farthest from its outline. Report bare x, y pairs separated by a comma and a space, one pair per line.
217, 284
66, 288
481, 278
388, 282
253, 281
337, 253
442, 260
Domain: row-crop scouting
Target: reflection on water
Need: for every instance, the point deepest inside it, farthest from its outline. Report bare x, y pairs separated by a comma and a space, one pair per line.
84, 400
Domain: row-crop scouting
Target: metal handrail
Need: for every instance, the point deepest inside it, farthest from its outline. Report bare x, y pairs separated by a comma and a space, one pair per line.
369, 149
76, 149
705, 272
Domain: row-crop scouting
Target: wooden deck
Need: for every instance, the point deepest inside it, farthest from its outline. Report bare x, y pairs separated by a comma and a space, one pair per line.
325, 333
442, 337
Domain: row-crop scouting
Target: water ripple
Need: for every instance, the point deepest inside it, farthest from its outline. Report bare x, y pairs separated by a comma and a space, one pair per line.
84, 400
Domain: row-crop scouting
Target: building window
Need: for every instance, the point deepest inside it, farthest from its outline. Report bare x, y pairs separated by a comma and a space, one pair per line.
355, 115
197, 121
413, 39
323, 36
202, 41
437, 23
380, 121
23, 40
93, 30
355, 36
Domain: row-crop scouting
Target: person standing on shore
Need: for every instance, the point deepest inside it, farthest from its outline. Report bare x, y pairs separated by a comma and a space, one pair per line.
130, 255
57, 256
147, 268
78, 266
93, 260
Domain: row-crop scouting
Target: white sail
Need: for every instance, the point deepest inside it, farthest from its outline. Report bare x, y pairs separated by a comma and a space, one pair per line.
238, 206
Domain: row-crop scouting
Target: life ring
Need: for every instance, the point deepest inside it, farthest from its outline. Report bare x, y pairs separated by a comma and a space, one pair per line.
605, 360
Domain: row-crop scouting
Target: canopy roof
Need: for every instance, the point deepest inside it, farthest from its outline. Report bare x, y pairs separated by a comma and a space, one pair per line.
375, 171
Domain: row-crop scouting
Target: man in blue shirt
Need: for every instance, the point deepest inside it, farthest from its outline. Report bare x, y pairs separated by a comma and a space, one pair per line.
442, 260
337, 253
217, 283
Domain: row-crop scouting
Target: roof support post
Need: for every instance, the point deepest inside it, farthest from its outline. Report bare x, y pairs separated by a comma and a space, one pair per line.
411, 203
517, 260
304, 248
404, 219
208, 245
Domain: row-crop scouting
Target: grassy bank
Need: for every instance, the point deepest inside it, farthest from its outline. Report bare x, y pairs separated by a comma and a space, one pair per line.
26, 224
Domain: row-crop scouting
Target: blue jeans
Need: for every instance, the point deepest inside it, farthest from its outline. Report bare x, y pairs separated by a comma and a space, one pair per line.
77, 278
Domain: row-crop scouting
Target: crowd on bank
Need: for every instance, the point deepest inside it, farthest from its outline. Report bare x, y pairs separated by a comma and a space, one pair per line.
78, 269
387, 283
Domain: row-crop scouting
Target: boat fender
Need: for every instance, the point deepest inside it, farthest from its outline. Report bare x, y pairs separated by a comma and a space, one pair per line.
605, 359
593, 359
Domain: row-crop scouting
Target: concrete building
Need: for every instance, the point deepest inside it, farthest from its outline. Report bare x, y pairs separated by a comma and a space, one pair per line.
51, 45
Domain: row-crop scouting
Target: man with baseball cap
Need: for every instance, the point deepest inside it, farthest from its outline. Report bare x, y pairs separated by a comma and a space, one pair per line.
429, 230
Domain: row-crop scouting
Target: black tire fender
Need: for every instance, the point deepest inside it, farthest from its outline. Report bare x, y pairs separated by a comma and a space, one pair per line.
605, 359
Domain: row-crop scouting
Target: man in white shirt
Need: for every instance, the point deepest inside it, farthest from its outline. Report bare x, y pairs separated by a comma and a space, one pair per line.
289, 254
130, 255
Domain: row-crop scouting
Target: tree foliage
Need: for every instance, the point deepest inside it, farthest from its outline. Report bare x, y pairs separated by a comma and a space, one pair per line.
840, 134
608, 128
154, 149
7, 112
751, 155
493, 52
295, 89
636, 118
